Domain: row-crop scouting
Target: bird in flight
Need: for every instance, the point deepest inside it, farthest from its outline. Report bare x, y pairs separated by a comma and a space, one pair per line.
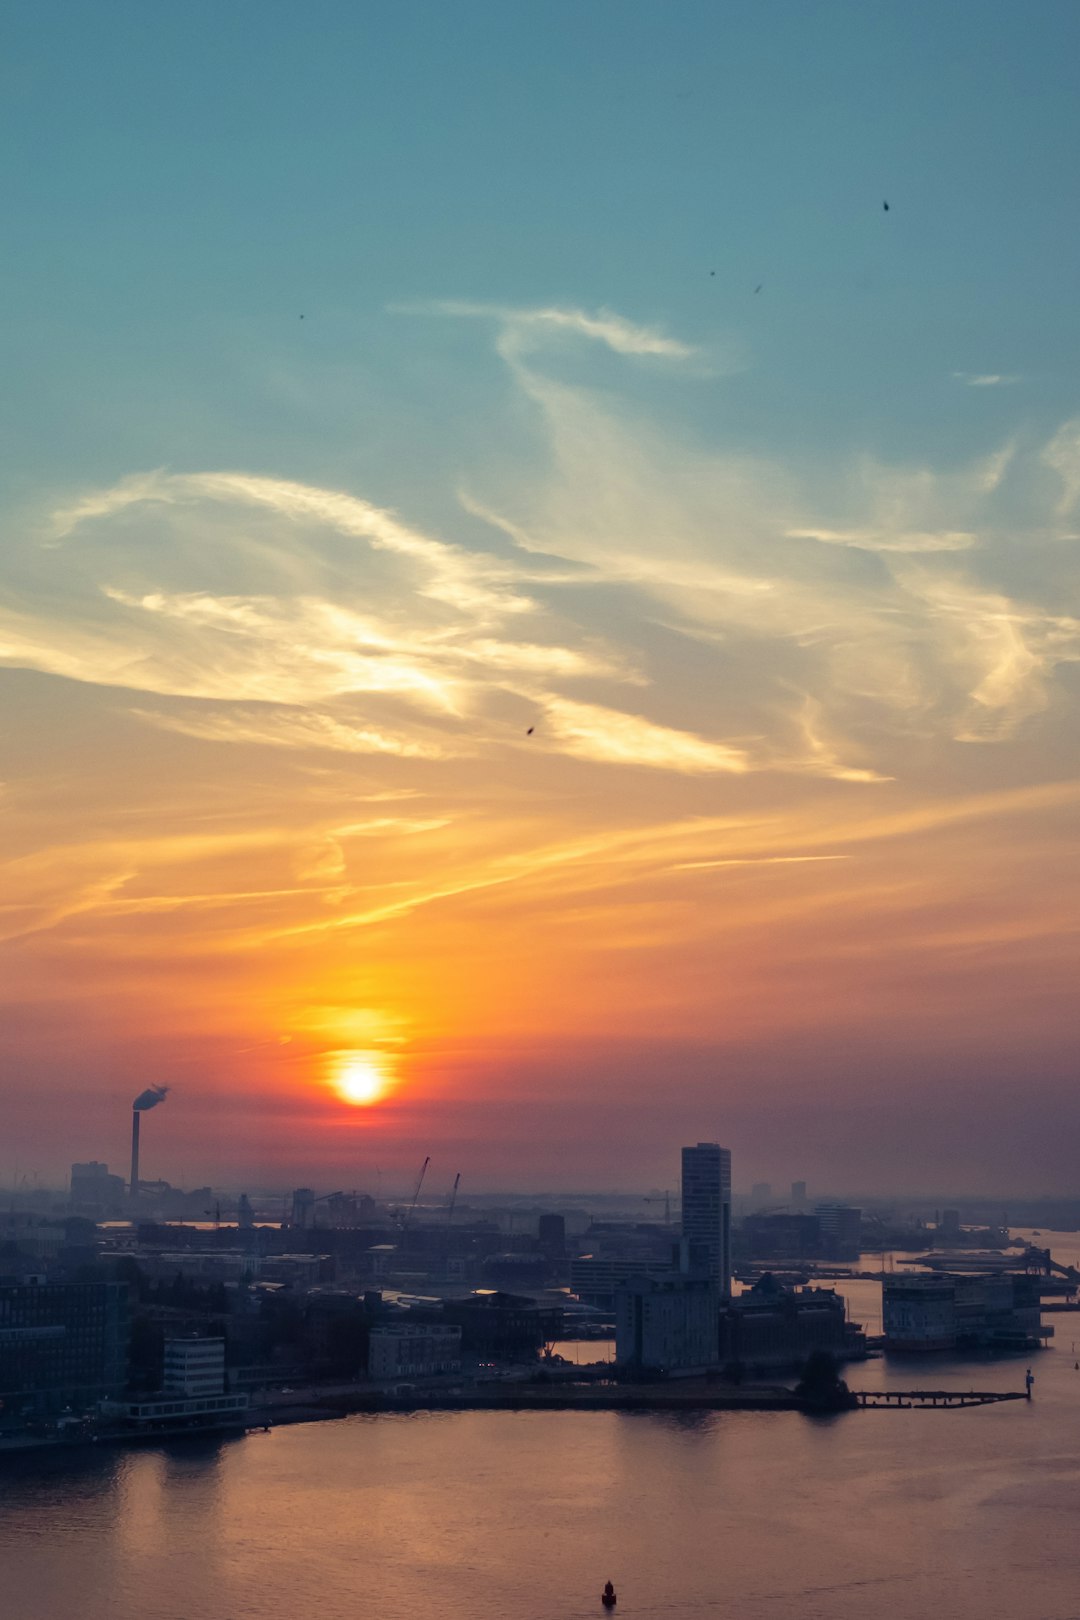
885, 206
759, 286
530, 731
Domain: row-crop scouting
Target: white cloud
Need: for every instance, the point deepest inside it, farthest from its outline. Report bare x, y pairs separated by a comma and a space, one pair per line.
877, 540
615, 738
294, 728
524, 329
987, 379
1062, 454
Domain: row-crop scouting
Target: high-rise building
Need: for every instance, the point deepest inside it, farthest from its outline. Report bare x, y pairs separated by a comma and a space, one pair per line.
706, 1213
798, 1194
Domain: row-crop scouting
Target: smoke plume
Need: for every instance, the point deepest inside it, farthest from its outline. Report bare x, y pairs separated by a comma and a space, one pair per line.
150, 1098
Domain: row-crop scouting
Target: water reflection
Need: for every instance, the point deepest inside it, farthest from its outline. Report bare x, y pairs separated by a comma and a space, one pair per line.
474, 1516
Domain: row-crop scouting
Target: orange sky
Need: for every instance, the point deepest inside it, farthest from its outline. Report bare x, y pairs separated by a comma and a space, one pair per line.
661, 793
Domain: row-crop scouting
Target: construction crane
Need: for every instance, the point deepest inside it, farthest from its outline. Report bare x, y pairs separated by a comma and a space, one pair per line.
664, 1199
415, 1196
453, 1199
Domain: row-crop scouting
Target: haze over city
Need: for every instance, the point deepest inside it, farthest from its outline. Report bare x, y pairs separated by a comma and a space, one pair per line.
537, 616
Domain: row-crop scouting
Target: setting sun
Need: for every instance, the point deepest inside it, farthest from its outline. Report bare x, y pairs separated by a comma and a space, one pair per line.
360, 1078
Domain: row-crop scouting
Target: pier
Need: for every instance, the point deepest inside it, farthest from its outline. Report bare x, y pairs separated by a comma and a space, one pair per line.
934, 1399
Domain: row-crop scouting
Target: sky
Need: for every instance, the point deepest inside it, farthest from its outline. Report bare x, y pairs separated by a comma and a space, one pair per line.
539, 620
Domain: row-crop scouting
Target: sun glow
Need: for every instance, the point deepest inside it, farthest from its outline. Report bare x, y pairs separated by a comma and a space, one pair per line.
360, 1078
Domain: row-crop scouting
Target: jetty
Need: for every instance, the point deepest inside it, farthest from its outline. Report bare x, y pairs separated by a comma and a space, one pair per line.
934, 1399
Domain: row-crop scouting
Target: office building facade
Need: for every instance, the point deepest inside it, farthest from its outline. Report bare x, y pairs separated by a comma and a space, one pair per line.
415, 1350
62, 1345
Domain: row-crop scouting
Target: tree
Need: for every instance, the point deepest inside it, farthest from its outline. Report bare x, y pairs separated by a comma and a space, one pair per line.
821, 1388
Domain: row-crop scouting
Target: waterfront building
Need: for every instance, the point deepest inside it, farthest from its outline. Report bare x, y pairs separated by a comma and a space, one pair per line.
706, 1214
667, 1322
62, 1345
773, 1329
415, 1350
194, 1367
988, 1311
500, 1326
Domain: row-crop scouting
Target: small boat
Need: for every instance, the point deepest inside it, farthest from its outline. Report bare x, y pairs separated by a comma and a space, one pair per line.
607, 1596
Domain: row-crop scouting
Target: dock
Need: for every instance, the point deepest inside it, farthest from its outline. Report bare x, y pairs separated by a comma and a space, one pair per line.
934, 1399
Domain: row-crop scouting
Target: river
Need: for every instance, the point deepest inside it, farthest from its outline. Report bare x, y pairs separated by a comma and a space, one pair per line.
966, 1515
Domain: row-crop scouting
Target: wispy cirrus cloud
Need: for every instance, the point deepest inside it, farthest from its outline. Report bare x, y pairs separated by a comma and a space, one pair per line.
614, 737
523, 329
845, 623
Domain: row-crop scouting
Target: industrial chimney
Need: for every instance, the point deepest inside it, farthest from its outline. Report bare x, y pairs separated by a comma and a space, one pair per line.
146, 1099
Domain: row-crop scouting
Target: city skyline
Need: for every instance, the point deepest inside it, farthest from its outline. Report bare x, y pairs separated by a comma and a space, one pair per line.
549, 627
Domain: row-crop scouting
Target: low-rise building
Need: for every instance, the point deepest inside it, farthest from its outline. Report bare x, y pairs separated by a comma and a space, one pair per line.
181, 1412
500, 1326
413, 1350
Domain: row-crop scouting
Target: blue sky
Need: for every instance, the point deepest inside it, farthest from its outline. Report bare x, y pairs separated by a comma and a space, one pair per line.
185, 181
386, 380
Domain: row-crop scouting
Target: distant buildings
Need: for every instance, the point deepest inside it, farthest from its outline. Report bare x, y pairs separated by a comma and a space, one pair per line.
841, 1230
62, 1345
415, 1350
94, 1191
781, 1237
706, 1214
596, 1278
994, 1311
551, 1235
